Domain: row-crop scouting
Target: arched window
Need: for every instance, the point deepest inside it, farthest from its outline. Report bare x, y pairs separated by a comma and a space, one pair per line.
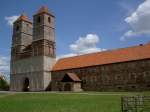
49, 19
26, 85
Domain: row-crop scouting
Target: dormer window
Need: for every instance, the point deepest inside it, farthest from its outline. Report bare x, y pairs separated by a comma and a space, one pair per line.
49, 19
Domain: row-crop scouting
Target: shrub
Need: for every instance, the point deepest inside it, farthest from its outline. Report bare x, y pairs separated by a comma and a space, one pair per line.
4, 84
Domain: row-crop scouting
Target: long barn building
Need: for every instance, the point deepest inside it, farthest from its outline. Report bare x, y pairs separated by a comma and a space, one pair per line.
115, 70
34, 66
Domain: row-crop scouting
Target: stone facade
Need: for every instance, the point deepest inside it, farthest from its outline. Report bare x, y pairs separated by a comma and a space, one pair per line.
70, 86
33, 52
33, 56
125, 76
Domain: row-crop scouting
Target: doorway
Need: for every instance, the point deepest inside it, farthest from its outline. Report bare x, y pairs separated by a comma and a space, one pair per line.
26, 85
67, 87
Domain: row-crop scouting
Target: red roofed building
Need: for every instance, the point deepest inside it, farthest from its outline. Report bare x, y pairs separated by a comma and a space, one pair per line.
113, 70
34, 66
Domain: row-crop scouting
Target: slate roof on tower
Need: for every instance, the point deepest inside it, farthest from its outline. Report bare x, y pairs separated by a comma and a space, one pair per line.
106, 57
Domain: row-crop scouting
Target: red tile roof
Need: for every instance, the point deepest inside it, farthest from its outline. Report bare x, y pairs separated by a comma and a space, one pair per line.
44, 9
106, 57
23, 18
73, 77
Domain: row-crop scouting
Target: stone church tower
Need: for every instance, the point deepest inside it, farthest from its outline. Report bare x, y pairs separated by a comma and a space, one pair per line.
33, 52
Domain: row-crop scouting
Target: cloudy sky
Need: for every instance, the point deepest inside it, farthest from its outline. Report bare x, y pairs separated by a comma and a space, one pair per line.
82, 26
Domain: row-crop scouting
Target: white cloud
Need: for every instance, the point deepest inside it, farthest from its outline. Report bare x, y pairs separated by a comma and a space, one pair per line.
84, 45
129, 34
5, 67
66, 55
139, 21
126, 6
4, 64
11, 19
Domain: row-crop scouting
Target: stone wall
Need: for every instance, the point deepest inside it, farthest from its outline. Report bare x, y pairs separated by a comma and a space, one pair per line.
127, 76
36, 69
33, 53
35, 81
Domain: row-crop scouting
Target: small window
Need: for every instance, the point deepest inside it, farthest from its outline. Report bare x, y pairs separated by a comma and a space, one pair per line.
39, 19
27, 25
17, 28
49, 19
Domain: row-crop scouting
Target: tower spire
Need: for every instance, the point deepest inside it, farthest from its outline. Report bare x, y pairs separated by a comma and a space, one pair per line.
23, 17
44, 9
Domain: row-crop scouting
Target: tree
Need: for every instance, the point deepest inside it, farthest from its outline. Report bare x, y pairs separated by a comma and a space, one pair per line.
3, 84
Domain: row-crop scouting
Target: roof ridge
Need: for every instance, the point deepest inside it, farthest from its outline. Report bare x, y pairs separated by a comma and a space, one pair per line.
106, 57
110, 50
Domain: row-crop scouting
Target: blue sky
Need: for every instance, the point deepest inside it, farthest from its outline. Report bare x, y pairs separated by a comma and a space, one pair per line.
100, 24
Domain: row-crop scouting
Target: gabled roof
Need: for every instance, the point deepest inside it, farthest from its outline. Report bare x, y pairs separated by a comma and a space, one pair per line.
106, 57
72, 76
44, 9
23, 17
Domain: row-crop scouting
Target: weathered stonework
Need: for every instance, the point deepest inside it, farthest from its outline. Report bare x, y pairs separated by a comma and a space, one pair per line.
32, 57
126, 76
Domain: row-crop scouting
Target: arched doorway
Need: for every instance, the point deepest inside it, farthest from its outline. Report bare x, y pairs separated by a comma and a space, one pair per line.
26, 85
67, 87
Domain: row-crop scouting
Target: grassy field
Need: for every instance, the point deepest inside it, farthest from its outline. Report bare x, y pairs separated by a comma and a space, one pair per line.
62, 102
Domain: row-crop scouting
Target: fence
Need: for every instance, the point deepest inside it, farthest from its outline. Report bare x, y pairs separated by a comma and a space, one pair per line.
136, 104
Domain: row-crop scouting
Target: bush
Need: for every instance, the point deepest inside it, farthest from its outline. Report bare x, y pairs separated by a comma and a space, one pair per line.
4, 84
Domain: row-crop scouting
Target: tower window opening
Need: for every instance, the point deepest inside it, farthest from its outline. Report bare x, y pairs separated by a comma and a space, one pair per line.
27, 25
17, 28
39, 20
49, 19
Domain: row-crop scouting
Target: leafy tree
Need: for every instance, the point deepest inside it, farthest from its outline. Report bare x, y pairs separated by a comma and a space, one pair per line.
3, 84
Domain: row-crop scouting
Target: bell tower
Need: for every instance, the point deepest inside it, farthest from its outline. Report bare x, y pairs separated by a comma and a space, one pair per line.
44, 33
43, 45
22, 36
33, 52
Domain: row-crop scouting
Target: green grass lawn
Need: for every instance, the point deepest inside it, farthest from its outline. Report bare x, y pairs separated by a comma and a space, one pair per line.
62, 102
